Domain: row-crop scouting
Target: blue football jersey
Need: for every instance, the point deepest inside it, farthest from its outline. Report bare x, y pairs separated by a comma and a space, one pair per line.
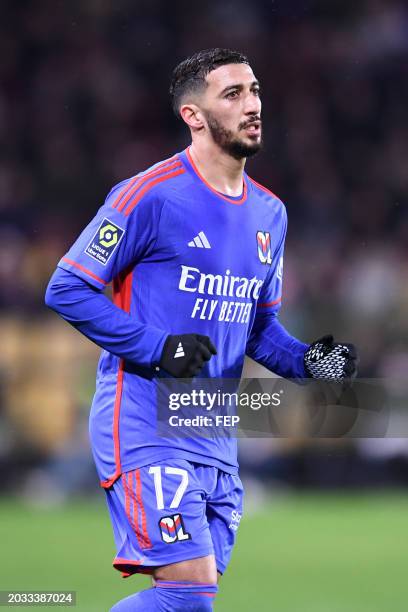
183, 258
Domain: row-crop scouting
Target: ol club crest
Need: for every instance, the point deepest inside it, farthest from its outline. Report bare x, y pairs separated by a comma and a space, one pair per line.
263, 240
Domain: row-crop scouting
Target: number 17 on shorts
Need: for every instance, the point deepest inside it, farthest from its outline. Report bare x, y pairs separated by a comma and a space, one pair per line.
169, 512
171, 527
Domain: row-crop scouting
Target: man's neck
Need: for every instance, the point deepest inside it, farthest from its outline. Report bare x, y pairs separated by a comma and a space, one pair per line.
220, 170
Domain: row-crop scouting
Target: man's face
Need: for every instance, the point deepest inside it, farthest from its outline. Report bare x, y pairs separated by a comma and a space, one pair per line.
232, 108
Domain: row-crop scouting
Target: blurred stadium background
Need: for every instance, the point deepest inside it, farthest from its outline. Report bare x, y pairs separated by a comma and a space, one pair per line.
83, 104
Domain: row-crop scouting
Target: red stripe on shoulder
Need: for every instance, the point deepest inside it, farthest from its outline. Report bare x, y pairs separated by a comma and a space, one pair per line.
149, 185
145, 179
136, 178
265, 189
266, 304
83, 269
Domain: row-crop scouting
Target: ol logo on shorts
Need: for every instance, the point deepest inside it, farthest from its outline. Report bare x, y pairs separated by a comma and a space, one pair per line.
172, 529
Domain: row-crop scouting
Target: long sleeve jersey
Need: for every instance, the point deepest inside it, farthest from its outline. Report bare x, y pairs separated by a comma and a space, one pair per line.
182, 258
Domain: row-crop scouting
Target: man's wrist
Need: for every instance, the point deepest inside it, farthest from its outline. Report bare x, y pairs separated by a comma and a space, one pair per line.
158, 342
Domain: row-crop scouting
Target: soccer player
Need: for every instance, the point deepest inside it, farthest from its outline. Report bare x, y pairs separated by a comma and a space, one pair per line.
194, 249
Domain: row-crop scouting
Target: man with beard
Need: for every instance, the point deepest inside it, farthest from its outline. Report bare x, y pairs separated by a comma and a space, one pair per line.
194, 248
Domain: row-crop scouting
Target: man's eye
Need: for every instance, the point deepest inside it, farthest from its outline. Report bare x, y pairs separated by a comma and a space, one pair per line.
257, 92
232, 94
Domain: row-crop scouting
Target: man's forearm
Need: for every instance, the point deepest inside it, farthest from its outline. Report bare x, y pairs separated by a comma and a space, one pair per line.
273, 347
95, 316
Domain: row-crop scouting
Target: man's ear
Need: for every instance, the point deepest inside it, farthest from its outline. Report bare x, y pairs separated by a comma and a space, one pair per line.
192, 115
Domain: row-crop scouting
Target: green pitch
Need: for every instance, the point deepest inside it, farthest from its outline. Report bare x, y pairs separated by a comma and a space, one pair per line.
298, 554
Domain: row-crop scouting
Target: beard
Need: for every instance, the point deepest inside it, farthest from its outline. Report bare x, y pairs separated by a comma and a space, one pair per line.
230, 143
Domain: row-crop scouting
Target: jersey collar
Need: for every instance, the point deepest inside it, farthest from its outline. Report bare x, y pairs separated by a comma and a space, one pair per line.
229, 199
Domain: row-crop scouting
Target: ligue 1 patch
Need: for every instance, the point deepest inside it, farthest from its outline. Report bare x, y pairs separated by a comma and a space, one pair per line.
172, 529
105, 241
263, 240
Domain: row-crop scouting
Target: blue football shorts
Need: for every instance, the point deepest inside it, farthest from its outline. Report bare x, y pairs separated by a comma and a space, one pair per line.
172, 511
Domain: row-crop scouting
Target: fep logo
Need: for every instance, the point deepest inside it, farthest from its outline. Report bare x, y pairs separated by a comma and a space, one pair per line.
105, 241
263, 240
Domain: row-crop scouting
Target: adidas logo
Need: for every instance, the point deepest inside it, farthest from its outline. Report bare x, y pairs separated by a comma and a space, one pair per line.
180, 351
200, 241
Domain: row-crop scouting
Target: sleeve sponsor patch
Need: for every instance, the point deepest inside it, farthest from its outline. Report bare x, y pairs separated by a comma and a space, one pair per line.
104, 241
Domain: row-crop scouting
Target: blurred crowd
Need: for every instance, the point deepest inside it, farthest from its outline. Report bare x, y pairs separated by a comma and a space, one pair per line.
84, 103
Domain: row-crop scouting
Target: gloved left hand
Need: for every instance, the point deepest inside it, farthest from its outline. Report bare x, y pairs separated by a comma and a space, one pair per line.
329, 360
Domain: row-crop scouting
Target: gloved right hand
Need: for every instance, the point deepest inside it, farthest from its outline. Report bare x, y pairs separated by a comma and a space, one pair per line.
184, 355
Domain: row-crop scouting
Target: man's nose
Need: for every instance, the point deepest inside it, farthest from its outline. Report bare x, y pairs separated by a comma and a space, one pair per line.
252, 105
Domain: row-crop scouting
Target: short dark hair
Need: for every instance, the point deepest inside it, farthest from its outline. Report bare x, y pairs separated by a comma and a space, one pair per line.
189, 75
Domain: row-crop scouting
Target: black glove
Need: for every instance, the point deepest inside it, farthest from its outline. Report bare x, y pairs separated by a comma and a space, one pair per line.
329, 360
184, 355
